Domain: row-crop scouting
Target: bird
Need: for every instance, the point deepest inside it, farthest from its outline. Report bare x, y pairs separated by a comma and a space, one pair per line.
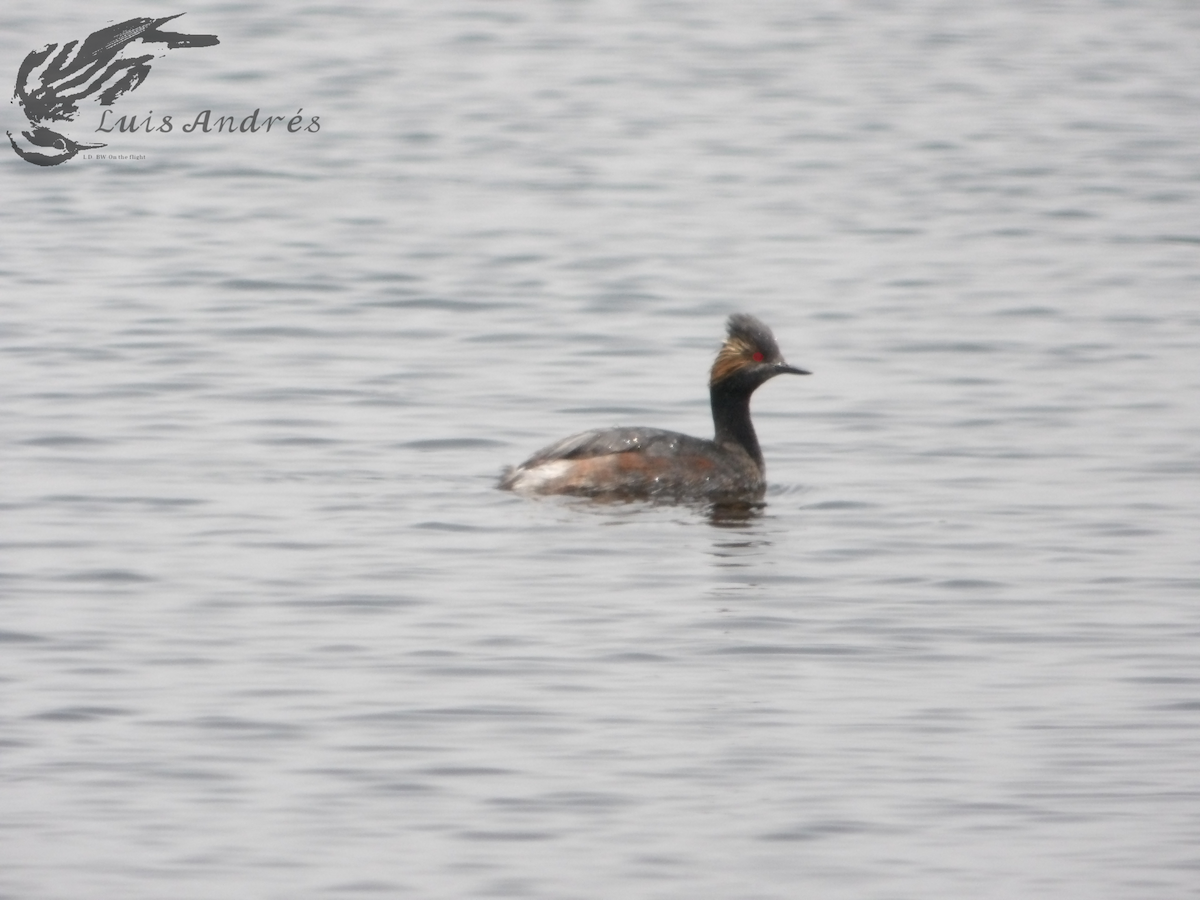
654, 464
45, 147
52, 81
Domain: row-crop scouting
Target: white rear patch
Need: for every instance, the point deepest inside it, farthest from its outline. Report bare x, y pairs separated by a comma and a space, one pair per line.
534, 480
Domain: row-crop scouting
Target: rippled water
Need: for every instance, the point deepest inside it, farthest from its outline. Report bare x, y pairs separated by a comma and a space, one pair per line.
270, 631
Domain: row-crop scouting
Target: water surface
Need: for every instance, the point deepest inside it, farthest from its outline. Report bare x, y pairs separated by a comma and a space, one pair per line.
269, 630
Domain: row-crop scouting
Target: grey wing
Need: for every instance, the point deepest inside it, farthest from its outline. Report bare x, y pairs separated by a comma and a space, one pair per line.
601, 442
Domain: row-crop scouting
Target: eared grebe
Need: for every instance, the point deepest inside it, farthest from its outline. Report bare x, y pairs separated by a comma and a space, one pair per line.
652, 463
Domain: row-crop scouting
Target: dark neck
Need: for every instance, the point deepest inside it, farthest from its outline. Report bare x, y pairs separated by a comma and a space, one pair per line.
731, 417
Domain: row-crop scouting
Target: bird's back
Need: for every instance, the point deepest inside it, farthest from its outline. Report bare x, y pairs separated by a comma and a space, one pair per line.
636, 462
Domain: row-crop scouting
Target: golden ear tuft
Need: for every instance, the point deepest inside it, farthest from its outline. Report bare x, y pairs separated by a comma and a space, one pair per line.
749, 343
735, 354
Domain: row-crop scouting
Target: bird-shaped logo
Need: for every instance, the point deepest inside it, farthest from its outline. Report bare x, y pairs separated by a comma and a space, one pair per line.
106, 66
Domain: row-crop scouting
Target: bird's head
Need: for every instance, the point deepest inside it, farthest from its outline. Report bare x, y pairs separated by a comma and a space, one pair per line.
749, 356
43, 146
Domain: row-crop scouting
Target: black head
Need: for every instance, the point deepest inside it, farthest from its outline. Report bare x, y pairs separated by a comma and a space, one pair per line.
45, 147
749, 355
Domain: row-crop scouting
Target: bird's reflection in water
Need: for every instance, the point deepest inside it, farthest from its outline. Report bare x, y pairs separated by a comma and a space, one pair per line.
743, 540
735, 514
727, 514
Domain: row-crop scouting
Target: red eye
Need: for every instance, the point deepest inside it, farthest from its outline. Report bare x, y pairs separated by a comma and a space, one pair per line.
758, 357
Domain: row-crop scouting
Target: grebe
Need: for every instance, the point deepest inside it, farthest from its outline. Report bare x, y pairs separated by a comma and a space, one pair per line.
651, 463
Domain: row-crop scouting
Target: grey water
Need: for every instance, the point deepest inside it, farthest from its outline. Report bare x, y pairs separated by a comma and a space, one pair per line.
269, 630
